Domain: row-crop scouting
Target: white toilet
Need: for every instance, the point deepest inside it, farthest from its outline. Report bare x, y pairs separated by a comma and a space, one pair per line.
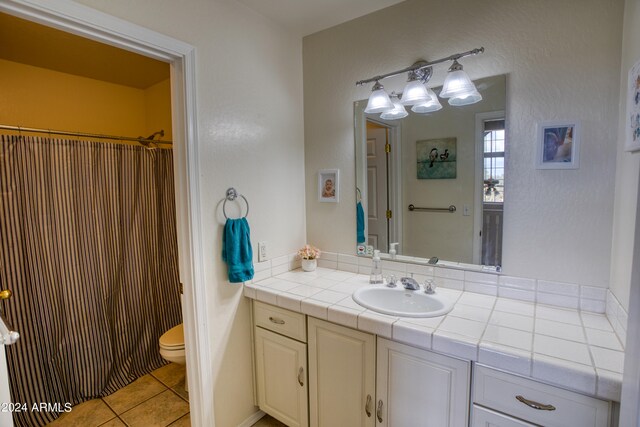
172, 347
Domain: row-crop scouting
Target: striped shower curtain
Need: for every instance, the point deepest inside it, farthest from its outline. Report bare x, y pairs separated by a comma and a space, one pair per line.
88, 247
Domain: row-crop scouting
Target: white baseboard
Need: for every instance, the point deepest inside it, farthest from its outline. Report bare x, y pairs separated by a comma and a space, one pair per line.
252, 419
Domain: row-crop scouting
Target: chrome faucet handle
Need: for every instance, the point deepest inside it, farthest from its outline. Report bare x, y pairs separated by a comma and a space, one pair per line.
429, 287
391, 281
410, 283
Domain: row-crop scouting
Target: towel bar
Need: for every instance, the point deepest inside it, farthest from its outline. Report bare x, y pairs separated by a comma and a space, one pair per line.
450, 209
232, 194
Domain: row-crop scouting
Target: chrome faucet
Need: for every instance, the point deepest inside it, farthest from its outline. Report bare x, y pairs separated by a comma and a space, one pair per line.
410, 283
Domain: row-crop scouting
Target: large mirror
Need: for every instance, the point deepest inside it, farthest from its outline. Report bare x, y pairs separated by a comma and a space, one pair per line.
434, 183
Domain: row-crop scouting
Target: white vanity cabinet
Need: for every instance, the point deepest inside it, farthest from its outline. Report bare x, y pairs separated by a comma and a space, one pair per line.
281, 364
420, 388
414, 387
342, 376
514, 397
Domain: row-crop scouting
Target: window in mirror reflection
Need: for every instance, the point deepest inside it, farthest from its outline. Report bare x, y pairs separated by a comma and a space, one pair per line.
493, 192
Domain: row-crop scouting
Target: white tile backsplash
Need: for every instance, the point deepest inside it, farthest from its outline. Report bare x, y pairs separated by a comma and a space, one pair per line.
449, 273
557, 300
485, 278
518, 294
481, 288
559, 288
517, 283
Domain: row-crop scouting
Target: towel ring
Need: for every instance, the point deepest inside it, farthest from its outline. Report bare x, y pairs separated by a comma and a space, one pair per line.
232, 194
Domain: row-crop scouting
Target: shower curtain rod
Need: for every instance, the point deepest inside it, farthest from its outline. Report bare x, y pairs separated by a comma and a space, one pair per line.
141, 140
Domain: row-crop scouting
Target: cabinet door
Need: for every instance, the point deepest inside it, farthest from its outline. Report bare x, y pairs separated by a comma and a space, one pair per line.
483, 417
281, 376
420, 388
341, 376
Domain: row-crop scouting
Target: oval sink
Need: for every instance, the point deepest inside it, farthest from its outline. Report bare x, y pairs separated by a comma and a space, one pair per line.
401, 302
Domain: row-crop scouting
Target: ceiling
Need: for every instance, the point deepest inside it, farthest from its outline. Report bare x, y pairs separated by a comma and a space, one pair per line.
33, 44
304, 17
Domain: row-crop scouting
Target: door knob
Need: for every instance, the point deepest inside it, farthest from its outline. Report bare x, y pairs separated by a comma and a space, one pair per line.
6, 294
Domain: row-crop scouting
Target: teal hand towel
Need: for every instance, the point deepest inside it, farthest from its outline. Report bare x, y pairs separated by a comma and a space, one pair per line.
236, 250
360, 223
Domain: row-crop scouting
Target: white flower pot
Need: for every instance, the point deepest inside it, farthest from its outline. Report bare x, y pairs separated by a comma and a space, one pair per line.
309, 264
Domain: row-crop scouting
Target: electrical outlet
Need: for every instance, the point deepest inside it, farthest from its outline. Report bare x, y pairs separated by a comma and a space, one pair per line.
262, 251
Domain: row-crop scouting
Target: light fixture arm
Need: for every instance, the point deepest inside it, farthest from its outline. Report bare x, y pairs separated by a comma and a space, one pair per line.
420, 65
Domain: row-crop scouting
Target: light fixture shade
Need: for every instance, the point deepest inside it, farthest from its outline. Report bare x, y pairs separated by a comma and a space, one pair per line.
460, 100
379, 101
414, 92
398, 111
433, 104
457, 83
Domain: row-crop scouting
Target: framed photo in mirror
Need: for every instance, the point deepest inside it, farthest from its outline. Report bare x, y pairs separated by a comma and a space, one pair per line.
633, 109
328, 185
558, 145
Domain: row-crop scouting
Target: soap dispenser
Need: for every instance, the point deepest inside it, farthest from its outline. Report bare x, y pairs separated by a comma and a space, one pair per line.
376, 269
393, 250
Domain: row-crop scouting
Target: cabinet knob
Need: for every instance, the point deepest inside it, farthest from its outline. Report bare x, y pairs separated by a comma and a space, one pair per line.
6, 294
301, 377
379, 411
535, 405
367, 407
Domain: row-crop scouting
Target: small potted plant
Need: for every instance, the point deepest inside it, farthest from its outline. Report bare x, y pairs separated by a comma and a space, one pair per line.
309, 256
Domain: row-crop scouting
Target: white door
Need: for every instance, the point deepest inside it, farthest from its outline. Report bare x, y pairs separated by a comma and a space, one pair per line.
5, 416
281, 374
377, 190
341, 376
7, 337
420, 388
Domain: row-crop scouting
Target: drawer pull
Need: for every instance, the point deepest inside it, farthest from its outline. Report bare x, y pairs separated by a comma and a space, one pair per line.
367, 407
276, 320
300, 377
379, 411
535, 405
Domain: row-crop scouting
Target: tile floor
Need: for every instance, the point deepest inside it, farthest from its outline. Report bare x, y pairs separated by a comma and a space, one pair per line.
155, 400
268, 421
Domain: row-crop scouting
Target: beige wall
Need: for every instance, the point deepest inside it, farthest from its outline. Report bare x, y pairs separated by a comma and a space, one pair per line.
41, 98
627, 167
250, 126
157, 99
562, 61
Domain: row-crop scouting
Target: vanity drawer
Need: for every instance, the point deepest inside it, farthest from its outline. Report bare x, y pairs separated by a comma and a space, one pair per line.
483, 417
276, 319
504, 392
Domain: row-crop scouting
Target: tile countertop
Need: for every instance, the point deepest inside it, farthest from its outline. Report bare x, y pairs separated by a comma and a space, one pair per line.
573, 349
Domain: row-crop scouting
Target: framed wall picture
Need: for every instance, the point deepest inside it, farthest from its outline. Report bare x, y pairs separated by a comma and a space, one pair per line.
633, 109
328, 185
436, 158
558, 145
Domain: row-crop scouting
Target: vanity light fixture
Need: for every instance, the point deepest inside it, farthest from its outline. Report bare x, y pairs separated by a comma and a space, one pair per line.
379, 101
415, 91
433, 104
398, 112
458, 87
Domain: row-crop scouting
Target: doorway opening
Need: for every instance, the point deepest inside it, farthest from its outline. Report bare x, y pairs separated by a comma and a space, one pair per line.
384, 213
91, 24
490, 195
